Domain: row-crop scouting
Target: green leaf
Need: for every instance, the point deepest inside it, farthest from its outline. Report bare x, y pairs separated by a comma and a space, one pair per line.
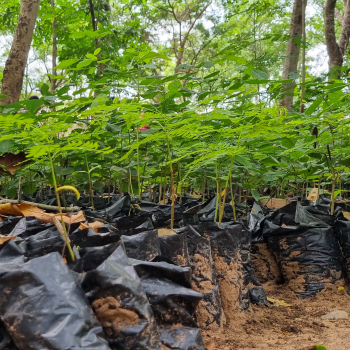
150, 66
296, 154
66, 63
44, 89
320, 347
315, 155
150, 93
259, 74
208, 64
97, 51
288, 142
255, 194
5, 146
314, 105
345, 162
203, 95
84, 63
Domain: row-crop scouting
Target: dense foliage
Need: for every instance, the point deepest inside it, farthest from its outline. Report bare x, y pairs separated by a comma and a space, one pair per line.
173, 96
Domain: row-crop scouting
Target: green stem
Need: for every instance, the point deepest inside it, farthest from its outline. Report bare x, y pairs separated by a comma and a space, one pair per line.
60, 209
138, 166
222, 208
90, 183
217, 192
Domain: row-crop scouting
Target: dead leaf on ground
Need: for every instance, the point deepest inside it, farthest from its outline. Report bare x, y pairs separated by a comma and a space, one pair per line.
313, 195
95, 225
5, 239
346, 215
277, 302
12, 162
166, 232
10, 209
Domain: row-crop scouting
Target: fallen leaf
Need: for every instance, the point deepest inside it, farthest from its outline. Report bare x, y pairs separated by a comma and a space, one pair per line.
12, 162
6, 239
166, 232
346, 215
277, 302
10, 209
313, 195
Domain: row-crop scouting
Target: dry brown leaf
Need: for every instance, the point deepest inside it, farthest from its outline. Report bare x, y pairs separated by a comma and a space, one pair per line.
12, 162
275, 203
95, 225
83, 226
313, 195
10, 209
5, 239
346, 215
166, 232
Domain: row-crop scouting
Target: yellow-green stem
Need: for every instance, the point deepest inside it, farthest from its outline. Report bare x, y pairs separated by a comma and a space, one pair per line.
60, 209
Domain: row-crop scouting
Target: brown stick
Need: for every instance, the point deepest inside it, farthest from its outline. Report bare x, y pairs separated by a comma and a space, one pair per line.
39, 205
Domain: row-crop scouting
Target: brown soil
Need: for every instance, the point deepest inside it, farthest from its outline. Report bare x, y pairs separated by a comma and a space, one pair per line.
181, 260
298, 327
112, 316
265, 264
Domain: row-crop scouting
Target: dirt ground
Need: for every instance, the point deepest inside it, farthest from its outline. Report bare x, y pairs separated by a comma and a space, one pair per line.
295, 327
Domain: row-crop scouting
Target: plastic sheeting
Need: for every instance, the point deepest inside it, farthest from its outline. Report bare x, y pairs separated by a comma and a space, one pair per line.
42, 306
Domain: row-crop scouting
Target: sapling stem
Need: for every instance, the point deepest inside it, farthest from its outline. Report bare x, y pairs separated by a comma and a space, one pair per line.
138, 165
333, 193
217, 192
90, 184
222, 208
20, 189
233, 200
60, 209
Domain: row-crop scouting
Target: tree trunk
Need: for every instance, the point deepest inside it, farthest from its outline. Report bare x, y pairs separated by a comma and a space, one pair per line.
54, 48
292, 53
336, 51
15, 65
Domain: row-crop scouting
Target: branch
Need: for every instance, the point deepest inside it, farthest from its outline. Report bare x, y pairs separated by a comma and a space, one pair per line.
39, 205
173, 11
339, 16
345, 32
334, 51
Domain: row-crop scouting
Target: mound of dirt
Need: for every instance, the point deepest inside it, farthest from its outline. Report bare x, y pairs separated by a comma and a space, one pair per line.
295, 327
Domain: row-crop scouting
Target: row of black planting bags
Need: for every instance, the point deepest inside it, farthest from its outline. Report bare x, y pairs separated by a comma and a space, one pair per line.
127, 288
304, 237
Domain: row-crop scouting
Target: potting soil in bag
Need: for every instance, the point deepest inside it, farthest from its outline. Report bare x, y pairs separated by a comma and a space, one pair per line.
6, 342
142, 246
174, 246
43, 307
230, 248
306, 249
342, 229
203, 279
173, 303
120, 304
265, 264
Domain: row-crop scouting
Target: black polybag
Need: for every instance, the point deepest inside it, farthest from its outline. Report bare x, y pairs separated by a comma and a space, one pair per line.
42, 306
116, 295
230, 248
174, 248
306, 249
256, 219
173, 302
342, 229
6, 342
142, 246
